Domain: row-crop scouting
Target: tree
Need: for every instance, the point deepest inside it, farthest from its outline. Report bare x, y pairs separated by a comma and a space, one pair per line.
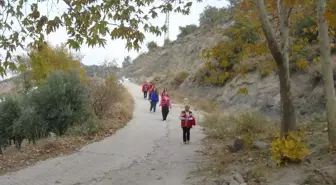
327, 70
151, 45
86, 22
187, 30
279, 51
46, 59
127, 61
213, 15
24, 79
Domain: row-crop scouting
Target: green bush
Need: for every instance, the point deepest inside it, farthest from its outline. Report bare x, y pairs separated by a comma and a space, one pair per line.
213, 15
186, 30
62, 101
89, 127
152, 45
306, 23
167, 41
9, 112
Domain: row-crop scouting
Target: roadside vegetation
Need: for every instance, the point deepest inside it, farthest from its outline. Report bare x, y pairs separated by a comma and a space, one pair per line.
55, 108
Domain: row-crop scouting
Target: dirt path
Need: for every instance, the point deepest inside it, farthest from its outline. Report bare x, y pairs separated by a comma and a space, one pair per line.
147, 151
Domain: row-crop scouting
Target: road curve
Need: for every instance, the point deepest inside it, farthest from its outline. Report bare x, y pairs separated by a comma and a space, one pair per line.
147, 151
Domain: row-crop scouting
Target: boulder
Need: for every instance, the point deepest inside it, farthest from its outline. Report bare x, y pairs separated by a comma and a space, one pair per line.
239, 178
261, 145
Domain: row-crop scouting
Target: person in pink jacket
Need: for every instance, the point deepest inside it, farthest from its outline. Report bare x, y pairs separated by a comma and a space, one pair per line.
165, 105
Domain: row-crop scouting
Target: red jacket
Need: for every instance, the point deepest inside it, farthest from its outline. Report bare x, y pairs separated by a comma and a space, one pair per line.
165, 101
150, 87
145, 87
190, 120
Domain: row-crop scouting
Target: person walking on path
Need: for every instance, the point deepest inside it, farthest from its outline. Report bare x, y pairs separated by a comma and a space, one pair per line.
165, 105
154, 99
150, 89
145, 88
164, 91
187, 122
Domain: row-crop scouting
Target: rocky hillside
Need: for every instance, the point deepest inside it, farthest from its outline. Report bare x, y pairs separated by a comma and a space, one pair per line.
183, 54
179, 55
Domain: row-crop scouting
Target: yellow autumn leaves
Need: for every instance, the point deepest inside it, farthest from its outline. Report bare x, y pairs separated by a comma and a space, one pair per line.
291, 148
48, 59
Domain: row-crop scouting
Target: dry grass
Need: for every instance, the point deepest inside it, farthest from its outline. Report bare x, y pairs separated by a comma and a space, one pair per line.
120, 114
199, 103
221, 128
233, 123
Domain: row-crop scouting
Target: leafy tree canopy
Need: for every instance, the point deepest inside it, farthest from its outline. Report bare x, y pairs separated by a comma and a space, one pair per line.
151, 45
86, 22
46, 59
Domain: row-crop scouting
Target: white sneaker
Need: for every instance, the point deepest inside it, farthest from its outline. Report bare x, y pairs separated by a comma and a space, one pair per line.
154, 113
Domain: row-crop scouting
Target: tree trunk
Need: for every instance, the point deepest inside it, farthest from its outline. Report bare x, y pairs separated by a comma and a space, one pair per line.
327, 71
287, 107
279, 52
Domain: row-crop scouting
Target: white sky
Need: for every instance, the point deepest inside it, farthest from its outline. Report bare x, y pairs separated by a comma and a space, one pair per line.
115, 49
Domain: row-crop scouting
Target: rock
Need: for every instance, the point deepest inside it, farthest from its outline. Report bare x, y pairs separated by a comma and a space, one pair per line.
261, 144
225, 183
220, 182
233, 182
52, 136
227, 178
237, 145
250, 159
238, 177
243, 183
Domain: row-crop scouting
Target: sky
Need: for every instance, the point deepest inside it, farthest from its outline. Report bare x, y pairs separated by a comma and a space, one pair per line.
115, 49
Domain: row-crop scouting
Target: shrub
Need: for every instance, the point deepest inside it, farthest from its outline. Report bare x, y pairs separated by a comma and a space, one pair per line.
9, 112
156, 79
213, 15
30, 124
186, 30
62, 101
89, 127
289, 149
303, 26
103, 95
249, 124
180, 77
166, 42
152, 45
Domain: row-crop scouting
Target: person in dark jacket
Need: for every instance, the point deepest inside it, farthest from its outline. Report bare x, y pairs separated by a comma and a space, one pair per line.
154, 99
187, 122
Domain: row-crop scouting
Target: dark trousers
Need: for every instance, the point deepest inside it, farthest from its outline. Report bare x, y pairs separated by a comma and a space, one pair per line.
153, 106
186, 134
145, 94
165, 111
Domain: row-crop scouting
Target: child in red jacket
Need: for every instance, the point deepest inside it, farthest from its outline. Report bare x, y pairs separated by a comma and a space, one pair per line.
187, 122
145, 88
165, 104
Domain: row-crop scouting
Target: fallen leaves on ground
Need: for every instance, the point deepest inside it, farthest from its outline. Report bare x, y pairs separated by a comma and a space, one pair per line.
30, 154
